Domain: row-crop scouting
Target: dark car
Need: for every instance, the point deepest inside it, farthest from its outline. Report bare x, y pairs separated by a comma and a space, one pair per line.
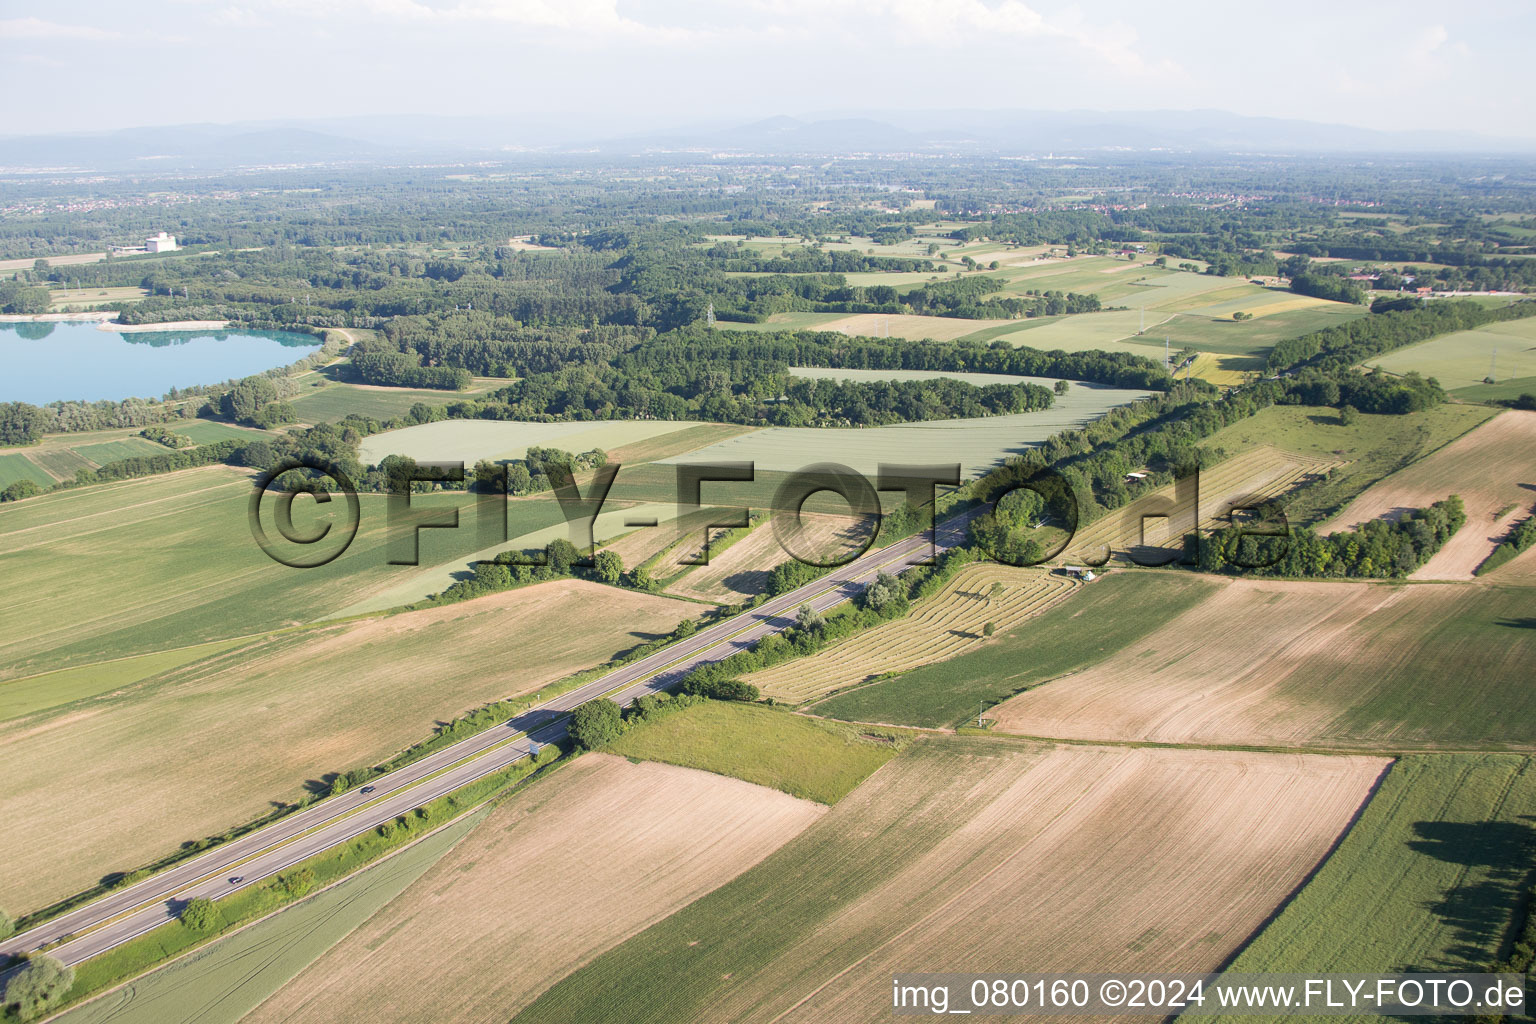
367, 789
236, 879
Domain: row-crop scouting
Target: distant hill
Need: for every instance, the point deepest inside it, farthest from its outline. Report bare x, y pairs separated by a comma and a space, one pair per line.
377, 139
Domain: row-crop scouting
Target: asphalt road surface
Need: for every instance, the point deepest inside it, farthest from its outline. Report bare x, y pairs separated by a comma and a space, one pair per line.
115, 918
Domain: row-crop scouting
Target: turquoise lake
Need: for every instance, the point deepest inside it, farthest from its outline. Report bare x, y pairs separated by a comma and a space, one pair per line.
49, 362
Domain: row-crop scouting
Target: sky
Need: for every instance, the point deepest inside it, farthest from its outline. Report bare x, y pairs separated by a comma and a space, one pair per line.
614, 65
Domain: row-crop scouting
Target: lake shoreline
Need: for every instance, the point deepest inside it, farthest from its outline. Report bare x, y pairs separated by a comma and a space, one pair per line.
104, 322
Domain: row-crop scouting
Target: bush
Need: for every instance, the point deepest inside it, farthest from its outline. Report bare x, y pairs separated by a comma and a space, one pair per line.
7, 926
608, 566
38, 987
202, 915
595, 723
19, 490
720, 689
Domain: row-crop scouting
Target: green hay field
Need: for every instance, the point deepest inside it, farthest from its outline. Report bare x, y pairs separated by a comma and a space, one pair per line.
336, 401
14, 467
821, 761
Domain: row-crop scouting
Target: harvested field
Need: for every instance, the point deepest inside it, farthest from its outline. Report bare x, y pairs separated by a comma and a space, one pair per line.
468, 441
741, 570
1433, 877
942, 626
1492, 468
532, 890
1254, 475
196, 750
1149, 857
1330, 664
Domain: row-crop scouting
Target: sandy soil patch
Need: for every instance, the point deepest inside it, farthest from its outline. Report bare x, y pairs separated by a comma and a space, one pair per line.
196, 750
1491, 467
908, 325
551, 879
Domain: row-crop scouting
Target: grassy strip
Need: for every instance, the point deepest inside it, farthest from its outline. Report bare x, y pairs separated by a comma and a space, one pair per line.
1106, 617
804, 757
139, 954
1520, 537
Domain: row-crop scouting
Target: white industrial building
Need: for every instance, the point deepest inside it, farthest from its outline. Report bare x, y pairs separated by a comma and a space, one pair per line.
161, 243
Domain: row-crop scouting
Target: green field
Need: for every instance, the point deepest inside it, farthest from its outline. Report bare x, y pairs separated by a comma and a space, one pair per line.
813, 760
1429, 878
116, 451
977, 444
62, 462
1465, 358
15, 467
1104, 618
1512, 388
169, 560
336, 401
209, 432
1373, 447
468, 441
226, 980
51, 689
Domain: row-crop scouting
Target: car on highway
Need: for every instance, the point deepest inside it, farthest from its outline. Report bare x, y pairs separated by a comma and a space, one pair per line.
236, 879
367, 789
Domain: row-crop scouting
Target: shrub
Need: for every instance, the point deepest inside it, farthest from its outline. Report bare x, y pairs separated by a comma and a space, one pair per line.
38, 987
201, 915
595, 723
7, 926
19, 490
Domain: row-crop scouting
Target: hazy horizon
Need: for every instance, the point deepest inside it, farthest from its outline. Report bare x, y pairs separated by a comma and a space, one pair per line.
646, 64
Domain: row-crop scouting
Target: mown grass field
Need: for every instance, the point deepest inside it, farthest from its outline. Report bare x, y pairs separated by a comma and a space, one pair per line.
1353, 665
1512, 388
51, 689
939, 862
208, 746
806, 758
334, 401
224, 981
168, 561
1429, 879
949, 623
468, 441
116, 451
1095, 623
558, 873
1371, 448
1463, 359
209, 432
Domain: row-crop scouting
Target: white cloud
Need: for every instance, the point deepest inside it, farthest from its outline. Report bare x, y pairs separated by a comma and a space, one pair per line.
37, 28
578, 17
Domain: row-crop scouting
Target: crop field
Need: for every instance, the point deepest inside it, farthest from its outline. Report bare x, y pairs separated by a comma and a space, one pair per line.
1371, 448
261, 719
60, 299
533, 890
1465, 358
209, 432
741, 570
337, 401
978, 379
804, 757
977, 444
224, 981
1492, 467
1100, 620
1154, 524
679, 442
413, 584
468, 441
116, 451
52, 689
939, 860
1430, 878
172, 563
1353, 665
940, 627
15, 467
1514, 387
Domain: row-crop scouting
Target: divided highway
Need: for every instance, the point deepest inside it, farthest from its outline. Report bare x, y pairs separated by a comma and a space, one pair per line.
115, 918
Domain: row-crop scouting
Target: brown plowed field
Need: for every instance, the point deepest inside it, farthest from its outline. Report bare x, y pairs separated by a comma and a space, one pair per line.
1491, 467
552, 878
